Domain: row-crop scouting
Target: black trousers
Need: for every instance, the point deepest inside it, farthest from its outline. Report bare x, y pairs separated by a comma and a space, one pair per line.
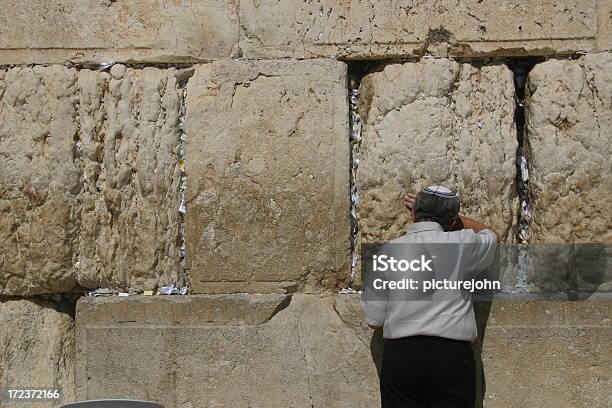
427, 372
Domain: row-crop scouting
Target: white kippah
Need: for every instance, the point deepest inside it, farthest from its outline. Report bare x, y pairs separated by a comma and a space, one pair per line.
440, 191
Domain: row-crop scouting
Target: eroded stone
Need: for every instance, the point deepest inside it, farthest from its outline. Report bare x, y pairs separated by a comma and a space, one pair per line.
569, 132
129, 139
268, 168
108, 30
380, 29
437, 122
37, 349
89, 185
277, 351
39, 179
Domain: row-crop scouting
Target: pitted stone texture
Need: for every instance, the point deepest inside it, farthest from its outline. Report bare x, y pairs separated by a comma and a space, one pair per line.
569, 132
129, 141
89, 183
268, 168
436, 122
227, 351
37, 349
569, 129
389, 28
39, 179
117, 30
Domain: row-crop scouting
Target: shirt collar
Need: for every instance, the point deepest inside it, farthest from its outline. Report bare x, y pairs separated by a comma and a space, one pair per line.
424, 226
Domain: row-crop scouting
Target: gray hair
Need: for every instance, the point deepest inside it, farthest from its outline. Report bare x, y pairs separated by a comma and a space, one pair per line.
430, 207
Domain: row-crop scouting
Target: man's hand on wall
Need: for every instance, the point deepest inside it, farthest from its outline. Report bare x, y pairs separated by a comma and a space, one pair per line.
409, 200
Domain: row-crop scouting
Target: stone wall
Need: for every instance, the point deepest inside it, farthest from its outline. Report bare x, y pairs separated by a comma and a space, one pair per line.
37, 348
437, 122
569, 131
89, 187
38, 31
110, 109
307, 350
268, 159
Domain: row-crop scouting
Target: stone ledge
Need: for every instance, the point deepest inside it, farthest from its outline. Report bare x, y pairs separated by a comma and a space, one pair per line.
43, 32
279, 350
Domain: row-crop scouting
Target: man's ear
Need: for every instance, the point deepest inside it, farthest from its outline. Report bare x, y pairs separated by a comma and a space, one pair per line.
413, 214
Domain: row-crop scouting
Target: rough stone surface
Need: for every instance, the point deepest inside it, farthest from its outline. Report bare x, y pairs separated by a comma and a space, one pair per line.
436, 122
569, 128
55, 31
36, 349
129, 140
378, 29
548, 354
89, 179
39, 179
124, 30
305, 350
268, 170
226, 350
569, 132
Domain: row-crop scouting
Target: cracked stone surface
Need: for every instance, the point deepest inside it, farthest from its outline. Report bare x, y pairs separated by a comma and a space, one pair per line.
129, 132
118, 30
230, 350
437, 122
268, 168
569, 132
36, 348
39, 179
533, 343
304, 350
378, 29
89, 192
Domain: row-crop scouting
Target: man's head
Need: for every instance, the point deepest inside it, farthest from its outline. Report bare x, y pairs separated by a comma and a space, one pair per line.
438, 204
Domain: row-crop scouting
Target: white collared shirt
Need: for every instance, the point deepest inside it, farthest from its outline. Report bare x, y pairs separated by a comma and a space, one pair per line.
452, 317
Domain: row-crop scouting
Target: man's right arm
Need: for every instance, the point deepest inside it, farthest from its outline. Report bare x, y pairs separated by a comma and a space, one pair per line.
477, 226
480, 246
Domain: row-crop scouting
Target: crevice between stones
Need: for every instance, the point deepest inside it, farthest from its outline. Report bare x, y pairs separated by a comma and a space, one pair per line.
520, 68
356, 71
184, 281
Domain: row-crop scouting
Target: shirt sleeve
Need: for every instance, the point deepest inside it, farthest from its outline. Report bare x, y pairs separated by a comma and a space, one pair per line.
375, 312
480, 251
374, 302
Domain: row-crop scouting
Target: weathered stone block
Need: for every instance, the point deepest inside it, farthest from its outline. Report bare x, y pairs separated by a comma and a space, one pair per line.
226, 350
539, 353
381, 29
569, 132
39, 179
36, 349
268, 168
129, 150
304, 350
436, 122
89, 184
105, 30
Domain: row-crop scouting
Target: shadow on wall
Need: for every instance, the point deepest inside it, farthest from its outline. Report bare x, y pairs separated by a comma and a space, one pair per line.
481, 311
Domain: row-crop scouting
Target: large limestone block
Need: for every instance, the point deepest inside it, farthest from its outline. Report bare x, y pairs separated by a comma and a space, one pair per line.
569, 132
89, 181
436, 122
226, 351
43, 31
36, 349
129, 142
39, 179
268, 170
569, 129
389, 28
543, 353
